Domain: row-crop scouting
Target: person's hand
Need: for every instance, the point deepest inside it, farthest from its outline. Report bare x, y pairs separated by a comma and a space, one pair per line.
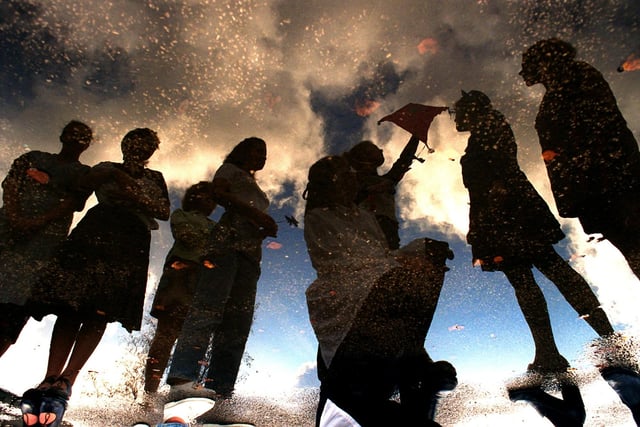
266, 224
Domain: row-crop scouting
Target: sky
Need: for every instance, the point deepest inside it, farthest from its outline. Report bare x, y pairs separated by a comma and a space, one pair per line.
313, 78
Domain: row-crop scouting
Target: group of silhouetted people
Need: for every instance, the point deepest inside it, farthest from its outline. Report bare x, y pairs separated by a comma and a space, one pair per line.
373, 300
97, 274
593, 164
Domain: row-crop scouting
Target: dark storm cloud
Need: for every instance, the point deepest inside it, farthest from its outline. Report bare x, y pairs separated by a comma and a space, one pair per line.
206, 74
31, 53
37, 50
344, 117
110, 73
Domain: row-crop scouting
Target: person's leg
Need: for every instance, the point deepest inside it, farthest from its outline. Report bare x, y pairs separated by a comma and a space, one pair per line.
202, 320
424, 286
566, 412
170, 306
65, 332
167, 331
421, 381
322, 374
361, 386
365, 370
575, 290
56, 392
619, 222
390, 229
87, 340
534, 308
230, 338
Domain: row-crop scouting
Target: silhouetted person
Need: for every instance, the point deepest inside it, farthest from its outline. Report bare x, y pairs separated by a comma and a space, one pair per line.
566, 412
223, 305
40, 194
591, 156
512, 230
377, 193
100, 272
191, 228
370, 309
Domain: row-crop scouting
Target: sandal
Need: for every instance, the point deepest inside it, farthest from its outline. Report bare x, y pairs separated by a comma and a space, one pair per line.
52, 410
30, 406
54, 403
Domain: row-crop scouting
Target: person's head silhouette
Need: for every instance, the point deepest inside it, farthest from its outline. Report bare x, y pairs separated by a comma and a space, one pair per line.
470, 108
541, 61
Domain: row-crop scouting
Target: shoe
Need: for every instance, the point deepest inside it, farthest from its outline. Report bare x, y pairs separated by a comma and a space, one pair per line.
54, 403
47, 383
30, 406
52, 411
173, 422
188, 409
528, 394
557, 366
442, 375
191, 389
568, 411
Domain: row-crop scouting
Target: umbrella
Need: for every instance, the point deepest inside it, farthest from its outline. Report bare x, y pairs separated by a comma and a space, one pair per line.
414, 118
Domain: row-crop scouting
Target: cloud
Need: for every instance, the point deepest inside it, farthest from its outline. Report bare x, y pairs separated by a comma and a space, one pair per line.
206, 74
307, 375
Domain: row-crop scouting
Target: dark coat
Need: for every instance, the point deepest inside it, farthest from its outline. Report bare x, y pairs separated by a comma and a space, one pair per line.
508, 219
596, 161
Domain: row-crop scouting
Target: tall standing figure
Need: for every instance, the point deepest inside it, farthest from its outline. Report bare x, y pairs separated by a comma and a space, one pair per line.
221, 315
592, 157
100, 272
512, 230
40, 194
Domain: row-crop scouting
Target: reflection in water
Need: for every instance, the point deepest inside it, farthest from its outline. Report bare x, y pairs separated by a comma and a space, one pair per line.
39, 198
370, 309
191, 229
206, 74
210, 346
98, 274
512, 230
592, 158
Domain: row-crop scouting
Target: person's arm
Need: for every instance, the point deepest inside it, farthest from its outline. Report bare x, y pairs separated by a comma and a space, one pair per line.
158, 207
11, 196
184, 230
129, 190
226, 199
403, 164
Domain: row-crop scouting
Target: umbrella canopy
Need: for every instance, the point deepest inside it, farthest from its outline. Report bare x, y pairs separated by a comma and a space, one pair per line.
414, 118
